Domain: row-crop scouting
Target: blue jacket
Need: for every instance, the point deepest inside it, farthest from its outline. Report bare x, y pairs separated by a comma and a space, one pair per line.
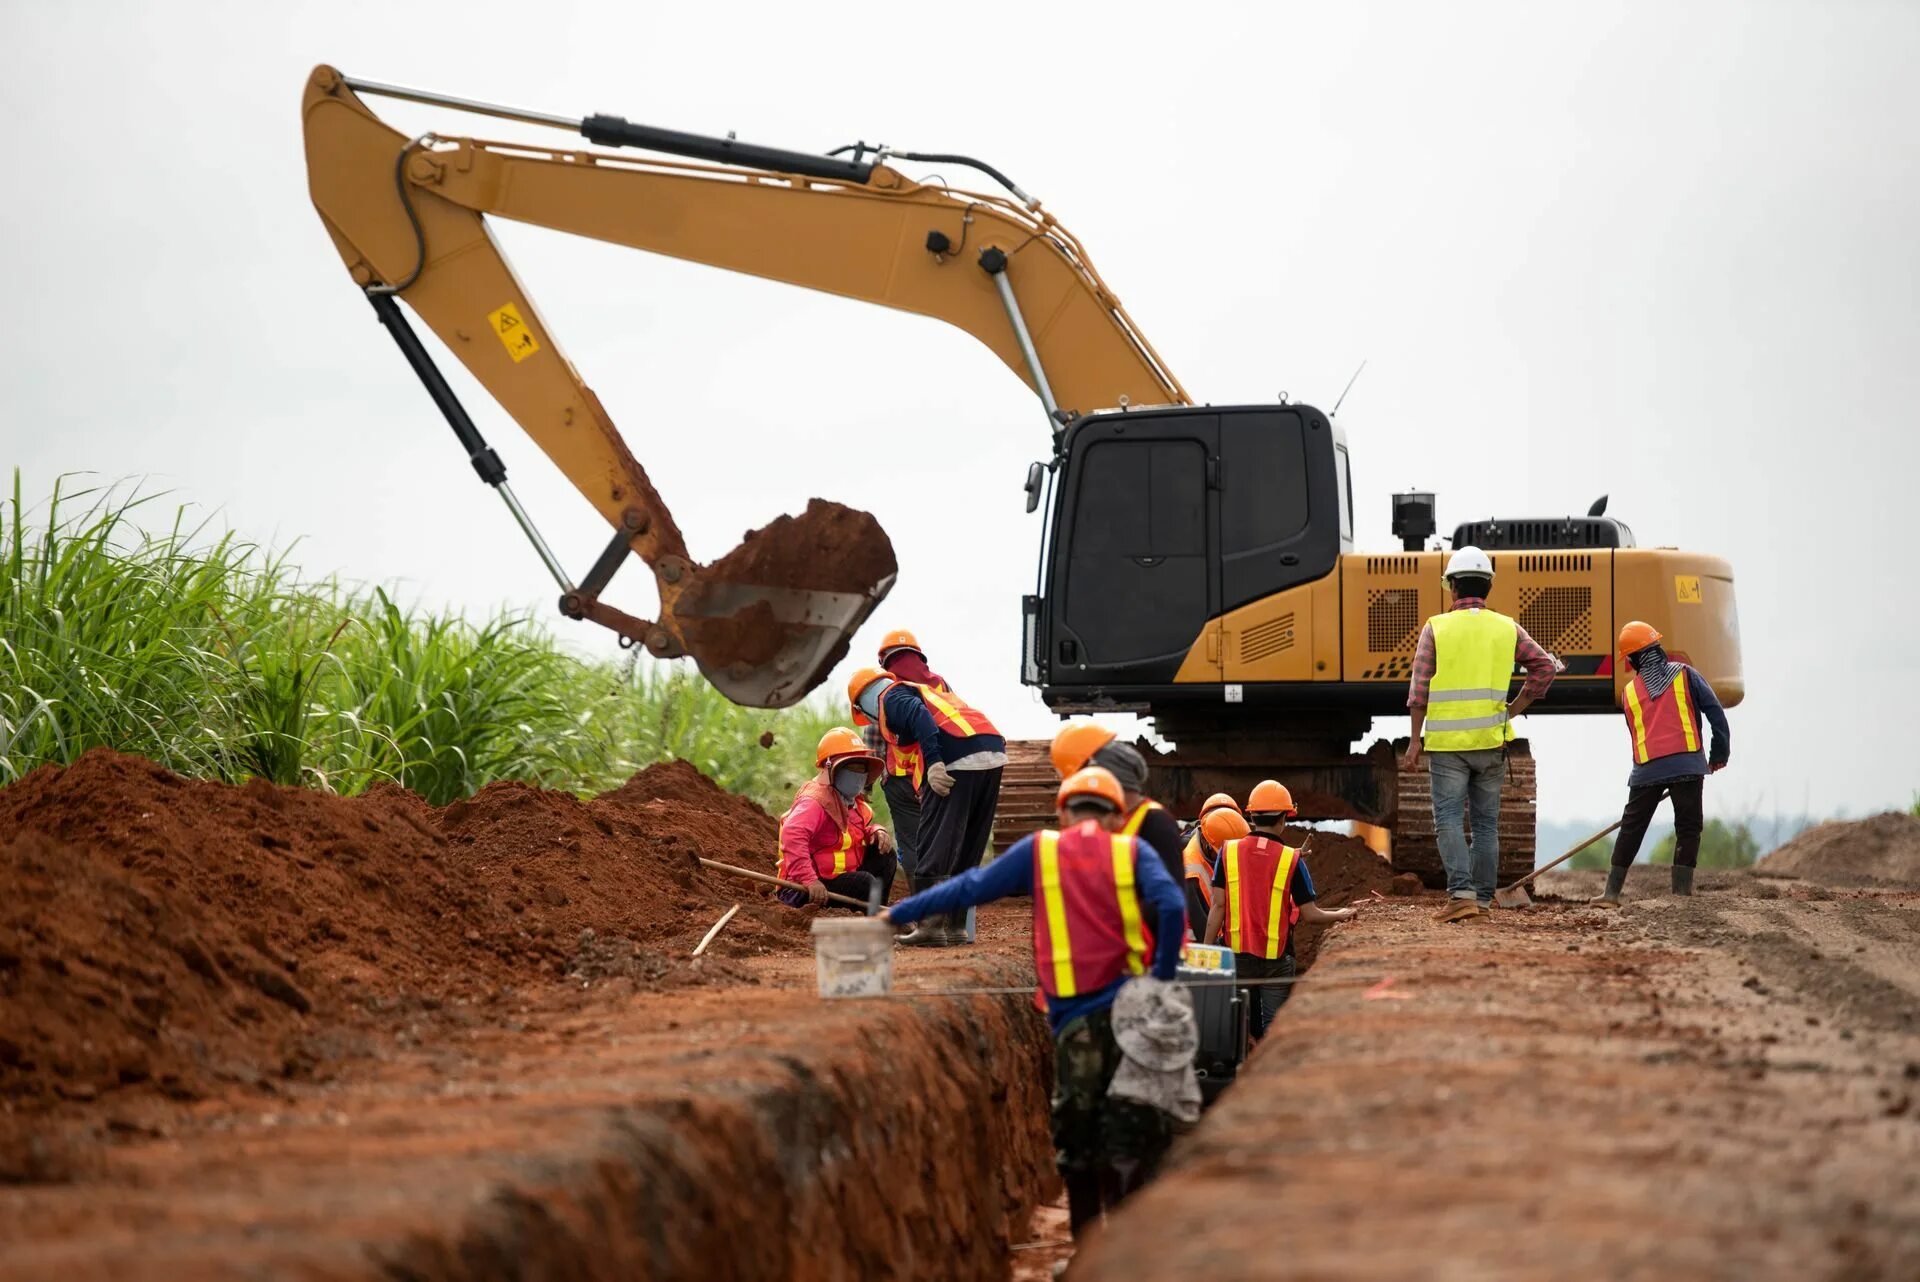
1012, 874
1691, 765
910, 722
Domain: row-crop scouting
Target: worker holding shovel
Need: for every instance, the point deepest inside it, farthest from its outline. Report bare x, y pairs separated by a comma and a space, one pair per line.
1664, 703
829, 840
1104, 912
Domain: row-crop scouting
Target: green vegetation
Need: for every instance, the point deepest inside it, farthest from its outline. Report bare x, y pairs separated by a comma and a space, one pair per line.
1599, 855
211, 656
1722, 845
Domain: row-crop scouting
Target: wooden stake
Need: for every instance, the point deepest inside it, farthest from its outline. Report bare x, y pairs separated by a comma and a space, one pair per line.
707, 938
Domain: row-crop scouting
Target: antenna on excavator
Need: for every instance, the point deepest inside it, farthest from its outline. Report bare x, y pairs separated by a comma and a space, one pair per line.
1348, 388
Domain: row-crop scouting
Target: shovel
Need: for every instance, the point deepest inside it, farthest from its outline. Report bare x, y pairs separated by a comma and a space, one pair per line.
871, 907
1515, 896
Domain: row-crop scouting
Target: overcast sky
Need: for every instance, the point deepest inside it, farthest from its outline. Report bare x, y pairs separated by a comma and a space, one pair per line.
1663, 251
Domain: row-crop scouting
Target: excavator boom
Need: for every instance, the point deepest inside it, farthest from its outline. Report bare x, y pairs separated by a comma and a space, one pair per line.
410, 220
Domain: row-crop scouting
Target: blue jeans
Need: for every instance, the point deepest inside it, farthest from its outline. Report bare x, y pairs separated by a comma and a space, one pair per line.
1460, 779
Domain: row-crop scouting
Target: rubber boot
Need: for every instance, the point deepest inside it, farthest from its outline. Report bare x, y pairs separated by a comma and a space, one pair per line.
929, 931
1610, 897
1682, 879
1083, 1201
957, 929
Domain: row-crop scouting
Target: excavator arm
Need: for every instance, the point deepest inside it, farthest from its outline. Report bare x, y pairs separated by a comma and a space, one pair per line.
765, 623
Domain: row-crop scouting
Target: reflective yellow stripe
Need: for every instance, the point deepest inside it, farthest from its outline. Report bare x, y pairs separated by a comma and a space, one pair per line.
1132, 827
1123, 848
960, 723
1056, 907
1285, 870
1639, 720
1685, 700
1232, 855
840, 855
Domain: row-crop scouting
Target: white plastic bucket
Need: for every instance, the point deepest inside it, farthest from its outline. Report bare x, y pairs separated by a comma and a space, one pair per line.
853, 956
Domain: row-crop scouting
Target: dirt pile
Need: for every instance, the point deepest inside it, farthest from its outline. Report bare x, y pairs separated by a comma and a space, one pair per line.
1882, 850
828, 548
161, 932
1345, 870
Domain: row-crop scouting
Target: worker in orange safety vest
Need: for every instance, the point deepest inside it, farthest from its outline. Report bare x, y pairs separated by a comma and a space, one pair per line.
1261, 887
1664, 703
1104, 911
829, 840
906, 774
1080, 744
1199, 852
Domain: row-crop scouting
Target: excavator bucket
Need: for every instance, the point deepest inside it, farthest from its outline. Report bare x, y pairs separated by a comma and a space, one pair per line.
768, 622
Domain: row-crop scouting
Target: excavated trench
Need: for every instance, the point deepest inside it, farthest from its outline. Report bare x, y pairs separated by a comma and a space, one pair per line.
267, 1032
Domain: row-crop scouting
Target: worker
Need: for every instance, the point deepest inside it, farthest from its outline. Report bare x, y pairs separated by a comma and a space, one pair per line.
1664, 704
1202, 851
829, 840
1080, 744
962, 755
1104, 911
902, 657
1261, 888
1463, 721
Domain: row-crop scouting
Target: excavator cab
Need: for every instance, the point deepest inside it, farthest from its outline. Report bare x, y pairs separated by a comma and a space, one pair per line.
1165, 521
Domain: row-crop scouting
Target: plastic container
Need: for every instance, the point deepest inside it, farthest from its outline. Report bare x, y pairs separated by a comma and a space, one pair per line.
853, 956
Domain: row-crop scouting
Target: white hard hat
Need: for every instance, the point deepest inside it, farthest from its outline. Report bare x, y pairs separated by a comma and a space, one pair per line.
1469, 560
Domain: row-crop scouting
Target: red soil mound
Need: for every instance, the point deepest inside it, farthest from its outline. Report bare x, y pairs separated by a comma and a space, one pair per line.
1345, 870
1882, 849
181, 933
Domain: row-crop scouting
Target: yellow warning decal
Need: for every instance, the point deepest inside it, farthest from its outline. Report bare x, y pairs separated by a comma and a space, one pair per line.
519, 340
1686, 589
1202, 957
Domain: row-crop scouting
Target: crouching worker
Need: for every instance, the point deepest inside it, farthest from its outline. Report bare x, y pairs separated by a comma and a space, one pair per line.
1664, 703
828, 838
1104, 911
1267, 888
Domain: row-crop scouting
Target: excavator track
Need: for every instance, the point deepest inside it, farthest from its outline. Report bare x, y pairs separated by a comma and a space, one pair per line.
1027, 788
1415, 848
1027, 792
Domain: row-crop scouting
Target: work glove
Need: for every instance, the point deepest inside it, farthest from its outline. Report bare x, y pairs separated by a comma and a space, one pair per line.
939, 778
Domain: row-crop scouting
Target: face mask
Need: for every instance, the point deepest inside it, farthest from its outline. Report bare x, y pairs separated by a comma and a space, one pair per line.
869, 701
848, 781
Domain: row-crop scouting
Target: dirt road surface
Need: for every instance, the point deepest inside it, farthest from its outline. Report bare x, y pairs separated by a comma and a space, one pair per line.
1721, 1087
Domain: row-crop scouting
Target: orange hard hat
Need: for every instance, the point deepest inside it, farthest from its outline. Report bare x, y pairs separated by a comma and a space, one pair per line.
861, 680
1075, 744
1223, 826
899, 639
841, 745
1269, 798
1218, 801
1637, 636
1091, 783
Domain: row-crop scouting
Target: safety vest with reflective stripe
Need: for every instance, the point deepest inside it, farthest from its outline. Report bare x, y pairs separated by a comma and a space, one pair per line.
1199, 867
834, 856
949, 711
1139, 816
1260, 907
1473, 654
1661, 727
1088, 928
905, 759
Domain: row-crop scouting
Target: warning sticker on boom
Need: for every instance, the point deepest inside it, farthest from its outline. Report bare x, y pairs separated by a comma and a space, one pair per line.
513, 332
1686, 589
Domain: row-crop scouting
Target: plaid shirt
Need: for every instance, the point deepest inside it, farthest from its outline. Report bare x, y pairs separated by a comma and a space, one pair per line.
1526, 653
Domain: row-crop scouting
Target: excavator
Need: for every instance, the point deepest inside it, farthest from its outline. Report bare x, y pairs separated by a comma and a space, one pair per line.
1238, 617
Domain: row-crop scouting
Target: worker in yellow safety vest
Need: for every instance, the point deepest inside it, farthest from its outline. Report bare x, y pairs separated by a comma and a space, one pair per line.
1104, 912
1080, 744
1462, 721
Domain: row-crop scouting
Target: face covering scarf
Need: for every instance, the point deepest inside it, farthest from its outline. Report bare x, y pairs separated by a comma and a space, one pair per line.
848, 781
